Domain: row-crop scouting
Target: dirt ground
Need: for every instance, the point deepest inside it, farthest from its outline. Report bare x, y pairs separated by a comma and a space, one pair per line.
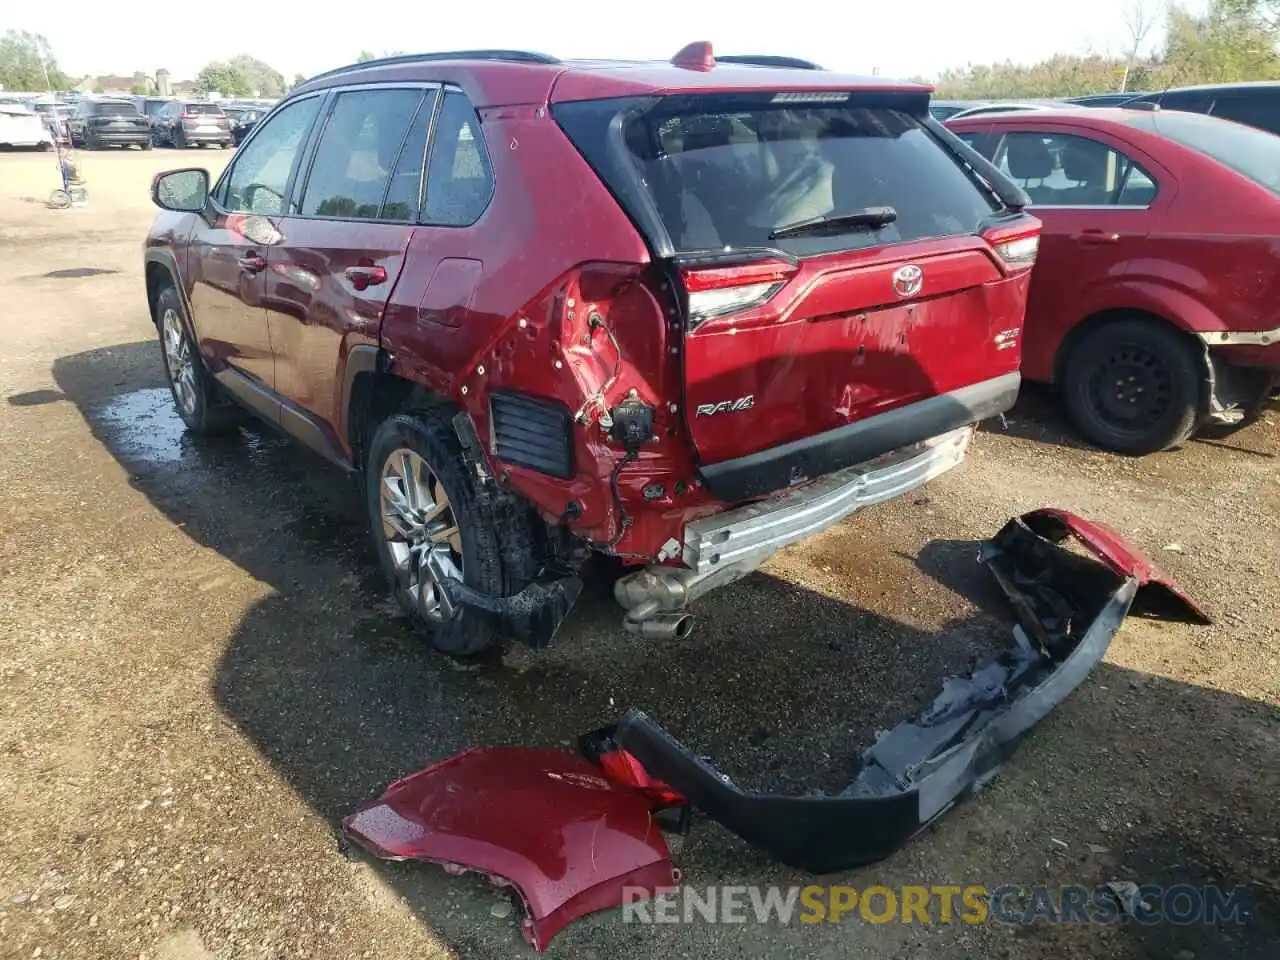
200, 672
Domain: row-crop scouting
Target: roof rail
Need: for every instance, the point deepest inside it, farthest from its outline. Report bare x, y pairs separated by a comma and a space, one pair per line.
510, 56
769, 60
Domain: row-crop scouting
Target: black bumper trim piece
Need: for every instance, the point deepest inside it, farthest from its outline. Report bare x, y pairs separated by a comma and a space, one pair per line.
917, 771
812, 457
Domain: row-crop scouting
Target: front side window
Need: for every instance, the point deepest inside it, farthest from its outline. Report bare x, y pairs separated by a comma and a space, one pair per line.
459, 176
260, 174
1064, 170
356, 159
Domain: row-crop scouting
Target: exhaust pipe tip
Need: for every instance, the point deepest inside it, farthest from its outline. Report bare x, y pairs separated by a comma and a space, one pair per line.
670, 626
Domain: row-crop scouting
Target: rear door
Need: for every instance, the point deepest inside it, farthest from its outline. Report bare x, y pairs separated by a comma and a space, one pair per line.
795, 327
344, 240
227, 256
1097, 198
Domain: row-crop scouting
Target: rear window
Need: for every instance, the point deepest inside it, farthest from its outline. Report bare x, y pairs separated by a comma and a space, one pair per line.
1249, 151
153, 107
114, 110
202, 109
729, 171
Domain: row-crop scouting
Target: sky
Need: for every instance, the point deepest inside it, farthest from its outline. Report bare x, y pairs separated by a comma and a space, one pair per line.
899, 38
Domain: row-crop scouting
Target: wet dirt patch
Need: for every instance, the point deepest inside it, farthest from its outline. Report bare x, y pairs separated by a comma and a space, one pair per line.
35, 398
74, 273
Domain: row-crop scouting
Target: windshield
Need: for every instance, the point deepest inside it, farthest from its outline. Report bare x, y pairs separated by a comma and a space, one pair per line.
1247, 150
727, 171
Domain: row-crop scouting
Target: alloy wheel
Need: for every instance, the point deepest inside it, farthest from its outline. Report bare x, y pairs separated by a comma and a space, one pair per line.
421, 532
181, 363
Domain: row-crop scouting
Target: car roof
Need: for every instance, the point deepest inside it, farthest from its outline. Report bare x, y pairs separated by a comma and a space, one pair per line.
1258, 85
505, 78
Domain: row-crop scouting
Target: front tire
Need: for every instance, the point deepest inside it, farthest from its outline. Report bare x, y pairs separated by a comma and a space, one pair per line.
1133, 386
196, 395
426, 525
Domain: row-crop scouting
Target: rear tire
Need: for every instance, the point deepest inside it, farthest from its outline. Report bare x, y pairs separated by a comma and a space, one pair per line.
198, 399
436, 513
1133, 386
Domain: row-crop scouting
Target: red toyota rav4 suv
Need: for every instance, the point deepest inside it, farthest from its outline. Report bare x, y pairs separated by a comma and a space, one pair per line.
681, 313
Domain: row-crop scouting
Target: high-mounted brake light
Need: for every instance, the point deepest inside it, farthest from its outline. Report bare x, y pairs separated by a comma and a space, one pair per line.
811, 96
721, 290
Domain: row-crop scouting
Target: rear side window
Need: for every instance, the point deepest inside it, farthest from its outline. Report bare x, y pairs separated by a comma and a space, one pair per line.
729, 172
1247, 150
113, 110
1061, 170
459, 178
357, 157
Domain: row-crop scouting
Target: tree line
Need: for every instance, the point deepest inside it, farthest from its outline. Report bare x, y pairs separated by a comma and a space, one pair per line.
1234, 40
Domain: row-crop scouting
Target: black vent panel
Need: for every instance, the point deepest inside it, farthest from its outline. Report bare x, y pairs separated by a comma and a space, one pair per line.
532, 432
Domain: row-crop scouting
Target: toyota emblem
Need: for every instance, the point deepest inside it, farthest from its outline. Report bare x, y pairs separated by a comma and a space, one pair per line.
908, 280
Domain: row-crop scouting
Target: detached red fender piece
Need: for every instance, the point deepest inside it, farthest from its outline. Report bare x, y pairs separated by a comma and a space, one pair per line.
543, 821
1068, 608
1121, 556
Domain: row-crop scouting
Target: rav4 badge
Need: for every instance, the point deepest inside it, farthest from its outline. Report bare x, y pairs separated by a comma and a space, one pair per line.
727, 406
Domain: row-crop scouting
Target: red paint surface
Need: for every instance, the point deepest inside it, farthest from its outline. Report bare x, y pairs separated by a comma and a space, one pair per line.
1201, 257
549, 823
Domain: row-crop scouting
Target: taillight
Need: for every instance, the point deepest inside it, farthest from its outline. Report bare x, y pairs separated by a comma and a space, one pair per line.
717, 291
1020, 252
1016, 244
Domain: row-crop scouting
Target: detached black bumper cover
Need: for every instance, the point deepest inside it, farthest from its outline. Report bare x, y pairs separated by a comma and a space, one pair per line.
1068, 608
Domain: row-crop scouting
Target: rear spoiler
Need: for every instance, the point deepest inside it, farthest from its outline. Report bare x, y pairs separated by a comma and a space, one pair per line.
1010, 194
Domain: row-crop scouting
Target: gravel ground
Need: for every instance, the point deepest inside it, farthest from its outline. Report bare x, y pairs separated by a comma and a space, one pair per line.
200, 673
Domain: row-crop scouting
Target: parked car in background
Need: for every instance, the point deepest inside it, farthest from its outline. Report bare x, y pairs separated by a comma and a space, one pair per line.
151, 108
56, 117
775, 307
945, 109
1009, 107
244, 117
98, 123
1104, 99
1255, 104
1154, 300
192, 123
21, 126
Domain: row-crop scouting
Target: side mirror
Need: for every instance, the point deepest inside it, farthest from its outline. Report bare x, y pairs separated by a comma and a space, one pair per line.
186, 191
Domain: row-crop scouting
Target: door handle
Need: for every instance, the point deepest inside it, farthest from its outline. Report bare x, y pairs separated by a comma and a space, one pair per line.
363, 277
253, 263
1097, 236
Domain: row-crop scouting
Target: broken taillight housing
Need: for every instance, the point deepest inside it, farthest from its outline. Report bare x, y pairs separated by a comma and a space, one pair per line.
719, 290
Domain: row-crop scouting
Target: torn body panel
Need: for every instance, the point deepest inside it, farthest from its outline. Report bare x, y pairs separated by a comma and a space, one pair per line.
1069, 608
544, 821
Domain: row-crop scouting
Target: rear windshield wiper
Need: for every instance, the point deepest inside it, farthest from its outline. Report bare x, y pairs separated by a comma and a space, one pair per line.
868, 218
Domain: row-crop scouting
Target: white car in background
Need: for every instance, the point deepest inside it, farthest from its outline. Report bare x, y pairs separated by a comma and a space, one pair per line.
22, 127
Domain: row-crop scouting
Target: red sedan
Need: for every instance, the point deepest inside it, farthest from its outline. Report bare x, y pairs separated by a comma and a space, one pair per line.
1155, 302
